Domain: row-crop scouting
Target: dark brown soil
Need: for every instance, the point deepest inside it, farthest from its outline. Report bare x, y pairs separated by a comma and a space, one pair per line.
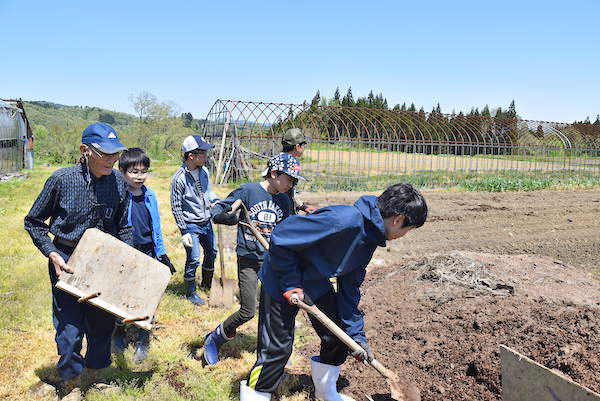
445, 337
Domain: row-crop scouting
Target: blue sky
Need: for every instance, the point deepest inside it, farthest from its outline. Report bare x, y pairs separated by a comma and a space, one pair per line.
542, 54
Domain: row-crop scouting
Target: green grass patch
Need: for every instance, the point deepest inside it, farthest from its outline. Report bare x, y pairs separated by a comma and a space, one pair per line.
494, 181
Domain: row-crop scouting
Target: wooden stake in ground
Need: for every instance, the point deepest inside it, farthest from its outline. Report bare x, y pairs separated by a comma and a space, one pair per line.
222, 288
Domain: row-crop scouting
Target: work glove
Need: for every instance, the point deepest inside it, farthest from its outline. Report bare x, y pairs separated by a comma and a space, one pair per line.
186, 240
363, 354
297, 294
229, 219
164, 259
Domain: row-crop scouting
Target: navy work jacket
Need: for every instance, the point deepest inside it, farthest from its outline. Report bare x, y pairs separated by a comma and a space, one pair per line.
335, 241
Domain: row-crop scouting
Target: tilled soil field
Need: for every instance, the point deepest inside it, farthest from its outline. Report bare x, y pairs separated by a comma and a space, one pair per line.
439, 302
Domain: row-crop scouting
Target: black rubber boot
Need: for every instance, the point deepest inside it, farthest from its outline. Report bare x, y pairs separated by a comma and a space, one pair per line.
207, 276
191, 295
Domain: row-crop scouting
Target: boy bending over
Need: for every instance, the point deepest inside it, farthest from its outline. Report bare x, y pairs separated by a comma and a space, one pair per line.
305, 252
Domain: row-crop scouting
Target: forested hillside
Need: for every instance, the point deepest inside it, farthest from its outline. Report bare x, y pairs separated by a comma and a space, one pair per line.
51, 114
158, 127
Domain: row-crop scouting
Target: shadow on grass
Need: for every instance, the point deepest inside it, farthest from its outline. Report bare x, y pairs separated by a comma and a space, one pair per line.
231, 349
179, 288
121, 373
176, 288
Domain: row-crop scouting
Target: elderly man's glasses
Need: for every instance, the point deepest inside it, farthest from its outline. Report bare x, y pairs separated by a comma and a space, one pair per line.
102, 155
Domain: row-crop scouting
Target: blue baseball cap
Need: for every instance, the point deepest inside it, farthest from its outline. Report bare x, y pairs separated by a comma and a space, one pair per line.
194, 142
285, 163
103, 137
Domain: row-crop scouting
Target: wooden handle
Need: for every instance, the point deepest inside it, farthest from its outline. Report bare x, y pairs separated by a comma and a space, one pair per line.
221, 255
341, 334
88, 297
135, 319
257, 234
249, 224
235, 206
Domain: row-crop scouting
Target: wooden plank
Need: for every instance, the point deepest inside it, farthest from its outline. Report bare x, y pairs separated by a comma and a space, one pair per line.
526, 380
130, 283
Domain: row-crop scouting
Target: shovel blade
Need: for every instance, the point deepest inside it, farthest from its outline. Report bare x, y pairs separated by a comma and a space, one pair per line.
222, 292
403, 391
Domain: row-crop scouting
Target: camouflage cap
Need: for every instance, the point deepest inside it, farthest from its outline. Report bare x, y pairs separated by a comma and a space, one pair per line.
292, 137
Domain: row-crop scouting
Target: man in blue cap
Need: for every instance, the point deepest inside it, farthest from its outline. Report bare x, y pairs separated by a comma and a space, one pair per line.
191, 199
89, 194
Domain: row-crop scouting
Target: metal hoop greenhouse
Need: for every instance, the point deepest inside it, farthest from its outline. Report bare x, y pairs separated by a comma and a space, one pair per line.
368, 148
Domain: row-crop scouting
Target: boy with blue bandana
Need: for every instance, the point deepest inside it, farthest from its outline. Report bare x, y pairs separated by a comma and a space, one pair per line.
268, 204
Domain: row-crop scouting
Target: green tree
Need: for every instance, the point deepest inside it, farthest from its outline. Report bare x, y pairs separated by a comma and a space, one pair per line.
512, 110
187, 119
370, 99
336, 97
143, 103
316, 99
348, 100
106, 118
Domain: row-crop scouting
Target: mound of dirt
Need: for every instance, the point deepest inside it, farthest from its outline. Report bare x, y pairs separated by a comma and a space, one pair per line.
439, 322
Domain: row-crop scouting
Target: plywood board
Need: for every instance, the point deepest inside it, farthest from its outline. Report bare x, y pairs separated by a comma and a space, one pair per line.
130, 283
526, 380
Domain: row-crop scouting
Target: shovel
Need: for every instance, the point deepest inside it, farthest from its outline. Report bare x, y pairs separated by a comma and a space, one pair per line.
222, 288
401, 390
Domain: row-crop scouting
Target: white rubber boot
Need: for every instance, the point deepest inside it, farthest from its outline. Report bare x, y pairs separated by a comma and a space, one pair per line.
249, 394
325, 379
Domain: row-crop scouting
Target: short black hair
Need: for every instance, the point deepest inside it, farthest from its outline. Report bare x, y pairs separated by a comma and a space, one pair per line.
289, 148
403, 200
132, 157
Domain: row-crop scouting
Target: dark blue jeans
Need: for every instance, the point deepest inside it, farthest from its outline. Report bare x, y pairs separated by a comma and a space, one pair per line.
73, 320
202, 236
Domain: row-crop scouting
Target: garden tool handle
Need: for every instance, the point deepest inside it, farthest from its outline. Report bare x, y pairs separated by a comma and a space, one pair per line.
249, 224
235, 206
221, 255
341, 334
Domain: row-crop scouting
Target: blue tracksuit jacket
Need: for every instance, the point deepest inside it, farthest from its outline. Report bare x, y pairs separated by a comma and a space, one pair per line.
152, 205
335, 241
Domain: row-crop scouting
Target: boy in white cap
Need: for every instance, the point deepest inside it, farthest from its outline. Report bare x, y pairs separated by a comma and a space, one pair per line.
191, 198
